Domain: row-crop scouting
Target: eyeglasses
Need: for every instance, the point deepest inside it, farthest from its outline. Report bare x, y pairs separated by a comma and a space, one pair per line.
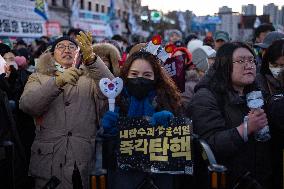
251, 61
9, 59
62, 47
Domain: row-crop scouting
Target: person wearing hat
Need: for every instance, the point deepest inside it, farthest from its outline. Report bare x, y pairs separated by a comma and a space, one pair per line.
262, 47
261, 31
110, 55
174, 35
202, 58
65, 100
194, 44
270, 38
220, 38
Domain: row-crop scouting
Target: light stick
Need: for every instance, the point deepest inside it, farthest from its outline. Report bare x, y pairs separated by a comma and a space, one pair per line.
111, 89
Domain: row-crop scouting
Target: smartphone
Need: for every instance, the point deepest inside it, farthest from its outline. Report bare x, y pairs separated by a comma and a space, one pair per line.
78, 59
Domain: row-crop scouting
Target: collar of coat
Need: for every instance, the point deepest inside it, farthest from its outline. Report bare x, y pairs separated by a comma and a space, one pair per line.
46, 65
275, 84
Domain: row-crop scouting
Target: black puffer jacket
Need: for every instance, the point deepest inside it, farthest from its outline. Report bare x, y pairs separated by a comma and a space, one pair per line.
276, 122
215, 118
269, 85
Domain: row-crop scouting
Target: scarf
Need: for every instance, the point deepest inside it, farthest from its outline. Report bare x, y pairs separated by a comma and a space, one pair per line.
138, 108
59, 67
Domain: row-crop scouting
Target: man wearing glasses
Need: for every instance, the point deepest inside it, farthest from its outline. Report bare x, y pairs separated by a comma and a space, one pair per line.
66, 103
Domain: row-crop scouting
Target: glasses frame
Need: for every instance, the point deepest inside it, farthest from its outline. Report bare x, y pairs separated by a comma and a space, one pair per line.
66, 46
247, 61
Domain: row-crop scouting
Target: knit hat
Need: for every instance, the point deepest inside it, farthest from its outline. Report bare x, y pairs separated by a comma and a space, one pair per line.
185, 51
62, 39
21, 61
200, 57
109, 51
4, 49
211, 53
194, 44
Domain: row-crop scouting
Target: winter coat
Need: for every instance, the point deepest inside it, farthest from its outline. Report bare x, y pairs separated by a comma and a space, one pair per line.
191, 80
215, 118
8, 133
118, 179
67, 120
268, 85
276, 124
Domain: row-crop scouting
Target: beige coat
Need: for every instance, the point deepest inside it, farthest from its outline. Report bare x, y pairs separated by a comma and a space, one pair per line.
67, 120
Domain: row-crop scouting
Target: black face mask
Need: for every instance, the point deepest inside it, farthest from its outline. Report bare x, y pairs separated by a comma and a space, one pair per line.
139, 87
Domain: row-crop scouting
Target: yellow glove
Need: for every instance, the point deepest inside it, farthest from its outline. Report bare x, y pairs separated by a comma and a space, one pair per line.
70, 75
85, 43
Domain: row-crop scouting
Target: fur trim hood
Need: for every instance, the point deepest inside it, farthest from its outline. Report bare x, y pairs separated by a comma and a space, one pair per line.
109, 51
46, 64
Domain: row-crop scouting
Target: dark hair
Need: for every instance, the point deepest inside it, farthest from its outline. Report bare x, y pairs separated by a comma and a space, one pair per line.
263, 28
119, 38
21, 42
168, 96
24, 52
190, 37
74, 31
219, 78
272, 53
4, 49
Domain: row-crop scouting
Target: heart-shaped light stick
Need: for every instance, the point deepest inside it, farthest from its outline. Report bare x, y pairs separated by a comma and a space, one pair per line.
111, 89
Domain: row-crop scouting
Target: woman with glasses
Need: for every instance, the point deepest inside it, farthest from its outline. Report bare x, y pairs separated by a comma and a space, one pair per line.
65, 101
218, 111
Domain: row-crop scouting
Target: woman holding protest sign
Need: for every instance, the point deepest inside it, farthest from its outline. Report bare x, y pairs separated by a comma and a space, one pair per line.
148, 91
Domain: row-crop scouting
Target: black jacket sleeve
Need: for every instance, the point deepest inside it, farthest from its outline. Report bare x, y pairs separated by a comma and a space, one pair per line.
209, 123
275, 115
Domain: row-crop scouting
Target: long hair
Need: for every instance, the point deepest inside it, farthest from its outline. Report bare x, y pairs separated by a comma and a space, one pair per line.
168, 96
272, 53
219, 76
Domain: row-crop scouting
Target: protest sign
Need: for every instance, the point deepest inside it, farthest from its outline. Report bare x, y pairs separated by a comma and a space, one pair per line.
155, 149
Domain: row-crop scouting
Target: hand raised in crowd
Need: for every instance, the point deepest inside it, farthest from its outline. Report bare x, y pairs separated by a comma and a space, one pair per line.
256, 120
85, 43
70, 76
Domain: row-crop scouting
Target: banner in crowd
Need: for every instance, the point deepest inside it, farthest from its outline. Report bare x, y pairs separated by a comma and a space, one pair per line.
53, 28
174, 66
41, 9
18, 19
155, 149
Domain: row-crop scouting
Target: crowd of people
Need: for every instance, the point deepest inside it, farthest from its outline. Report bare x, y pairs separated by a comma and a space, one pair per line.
53, 113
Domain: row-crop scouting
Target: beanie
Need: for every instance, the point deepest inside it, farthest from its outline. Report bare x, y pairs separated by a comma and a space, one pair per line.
185, 51
200, 59
21, 61
194, 44
62, 39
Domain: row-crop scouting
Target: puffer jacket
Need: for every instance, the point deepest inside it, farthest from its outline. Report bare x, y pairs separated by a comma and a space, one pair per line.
215, 118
